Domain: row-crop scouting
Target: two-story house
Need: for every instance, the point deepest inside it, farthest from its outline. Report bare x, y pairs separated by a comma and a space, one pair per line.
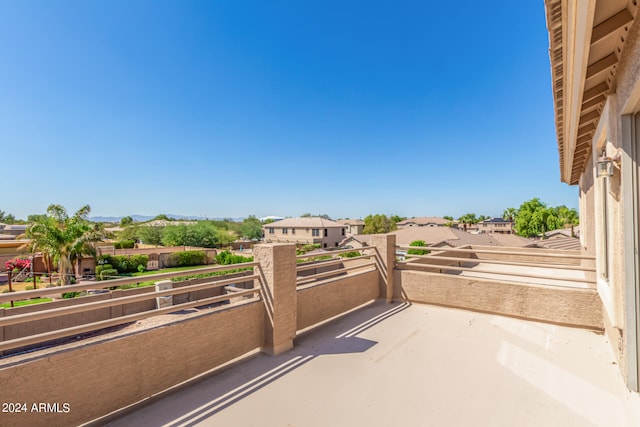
307, 230
495, 225
354, 226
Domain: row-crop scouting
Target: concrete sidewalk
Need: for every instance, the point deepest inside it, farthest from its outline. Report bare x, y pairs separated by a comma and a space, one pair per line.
413, 365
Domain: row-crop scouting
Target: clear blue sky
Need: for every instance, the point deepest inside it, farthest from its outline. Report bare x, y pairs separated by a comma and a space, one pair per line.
231, 108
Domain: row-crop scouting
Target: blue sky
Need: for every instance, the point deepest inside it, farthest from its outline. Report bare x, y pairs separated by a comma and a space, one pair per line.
231, 108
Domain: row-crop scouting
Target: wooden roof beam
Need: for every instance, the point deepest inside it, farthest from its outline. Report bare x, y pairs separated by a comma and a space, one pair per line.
594, 102
610, 25
595, 91
602, 65
584, 139
588, 117
585, 129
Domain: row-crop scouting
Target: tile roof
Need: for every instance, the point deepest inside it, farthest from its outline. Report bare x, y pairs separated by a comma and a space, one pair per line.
350, 221
496, 220
563, 243
304, 222
451, 237
424, 220
20, 227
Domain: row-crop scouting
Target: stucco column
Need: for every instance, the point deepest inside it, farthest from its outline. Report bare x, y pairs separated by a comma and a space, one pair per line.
278, 278
385, 245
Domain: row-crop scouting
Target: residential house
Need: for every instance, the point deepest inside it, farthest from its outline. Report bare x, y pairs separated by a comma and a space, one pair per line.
14, 230
444, 236
562, 233
495, 225
354, 226
306, 230
595, 58
425, 221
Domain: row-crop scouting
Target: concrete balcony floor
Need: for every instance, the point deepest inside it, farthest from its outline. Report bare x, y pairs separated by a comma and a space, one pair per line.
412, 365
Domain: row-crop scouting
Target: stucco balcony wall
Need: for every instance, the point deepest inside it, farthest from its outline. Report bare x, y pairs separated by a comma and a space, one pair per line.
329, 298
571, 306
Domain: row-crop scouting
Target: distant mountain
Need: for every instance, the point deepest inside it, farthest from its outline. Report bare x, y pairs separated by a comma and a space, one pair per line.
143, 218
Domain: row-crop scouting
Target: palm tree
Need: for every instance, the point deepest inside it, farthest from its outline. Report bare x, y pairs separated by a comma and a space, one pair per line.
567, 218
63, 239
509, 214
468, 219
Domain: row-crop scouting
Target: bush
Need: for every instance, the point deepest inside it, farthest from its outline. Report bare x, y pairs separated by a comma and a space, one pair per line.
226, 258
307, 248
101, 267
107, 274
352, 254
124, 244
68, 295
187, 258
417, 251
127, 263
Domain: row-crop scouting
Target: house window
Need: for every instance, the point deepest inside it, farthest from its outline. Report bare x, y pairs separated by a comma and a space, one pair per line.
336, 244
271, 231
315, 232
343, 231
326, 232
324, 245
285, 231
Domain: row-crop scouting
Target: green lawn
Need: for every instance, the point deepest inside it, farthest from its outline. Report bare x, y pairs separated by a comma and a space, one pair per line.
135, 285
25, 302
168, 270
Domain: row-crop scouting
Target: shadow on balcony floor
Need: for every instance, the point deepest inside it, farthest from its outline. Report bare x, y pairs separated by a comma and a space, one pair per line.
413, 366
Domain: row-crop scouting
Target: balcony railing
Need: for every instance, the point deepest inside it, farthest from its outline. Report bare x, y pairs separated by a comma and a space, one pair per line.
509, 264
284, 300
46, 315
315, 270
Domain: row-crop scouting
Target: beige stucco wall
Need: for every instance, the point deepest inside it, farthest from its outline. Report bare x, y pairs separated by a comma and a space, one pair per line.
511, 254
95, 315
97, 378
327, 299
608, 136
304, 235
566, 306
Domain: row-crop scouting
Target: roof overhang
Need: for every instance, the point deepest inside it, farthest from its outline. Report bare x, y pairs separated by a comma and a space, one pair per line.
586, 40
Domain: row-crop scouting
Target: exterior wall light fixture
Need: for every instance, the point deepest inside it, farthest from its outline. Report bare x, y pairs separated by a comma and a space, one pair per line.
605, 164
604, 167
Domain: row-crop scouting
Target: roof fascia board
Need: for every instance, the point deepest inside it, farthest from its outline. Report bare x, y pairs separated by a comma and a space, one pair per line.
577, 27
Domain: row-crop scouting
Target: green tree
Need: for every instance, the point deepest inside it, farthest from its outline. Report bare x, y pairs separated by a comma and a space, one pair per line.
509, 214
127, 220
308, 215
150, 235
397, 218
35, 217
534, 217
468, 219
418, 251
567, 218
203, 234
63, 238
7, 218
378, 223
251, 228
162, 217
